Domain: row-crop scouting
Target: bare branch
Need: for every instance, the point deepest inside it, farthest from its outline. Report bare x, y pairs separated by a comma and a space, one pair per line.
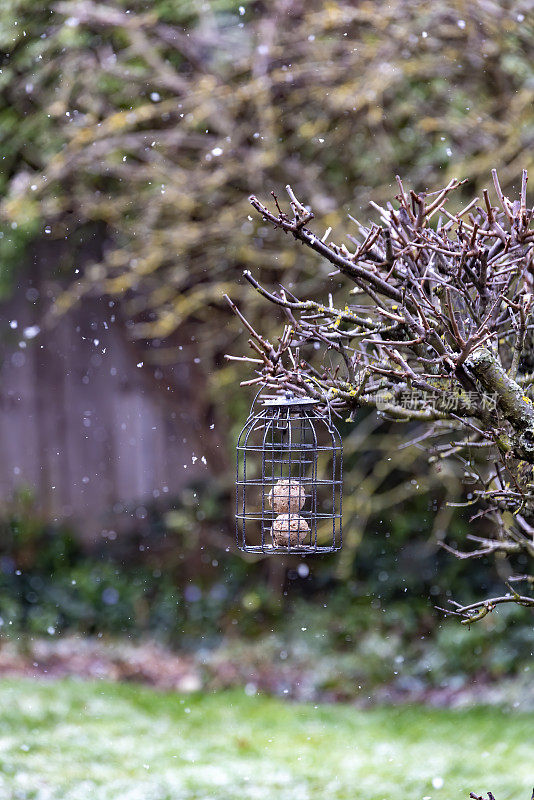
437, 329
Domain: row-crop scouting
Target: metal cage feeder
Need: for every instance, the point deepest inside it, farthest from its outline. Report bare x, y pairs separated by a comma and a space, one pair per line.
289, 480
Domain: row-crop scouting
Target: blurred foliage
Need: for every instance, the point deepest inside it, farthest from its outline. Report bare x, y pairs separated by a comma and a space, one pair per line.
343, 632
50, 583
158, 121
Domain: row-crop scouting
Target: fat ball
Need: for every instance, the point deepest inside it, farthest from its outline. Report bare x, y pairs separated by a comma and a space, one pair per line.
289, 530
287, 496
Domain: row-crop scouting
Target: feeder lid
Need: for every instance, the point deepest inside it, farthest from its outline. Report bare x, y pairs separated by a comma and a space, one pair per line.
290, 401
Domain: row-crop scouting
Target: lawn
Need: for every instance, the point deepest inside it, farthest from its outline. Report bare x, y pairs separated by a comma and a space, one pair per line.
103, 741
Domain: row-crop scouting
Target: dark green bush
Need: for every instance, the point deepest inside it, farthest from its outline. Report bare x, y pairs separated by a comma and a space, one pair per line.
368, 630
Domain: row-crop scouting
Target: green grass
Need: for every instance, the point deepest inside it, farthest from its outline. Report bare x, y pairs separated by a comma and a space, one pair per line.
70, 740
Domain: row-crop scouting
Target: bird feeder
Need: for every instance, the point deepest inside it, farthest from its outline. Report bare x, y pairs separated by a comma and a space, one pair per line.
289, 479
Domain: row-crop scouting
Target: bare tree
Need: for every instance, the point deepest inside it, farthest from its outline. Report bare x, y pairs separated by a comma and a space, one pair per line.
438, 328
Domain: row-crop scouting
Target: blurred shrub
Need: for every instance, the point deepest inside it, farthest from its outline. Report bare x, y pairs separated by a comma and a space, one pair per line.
346, 634
171, 573
49, 584
148, 128
405, 647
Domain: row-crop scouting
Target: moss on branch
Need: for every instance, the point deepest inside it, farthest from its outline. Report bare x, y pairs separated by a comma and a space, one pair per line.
511, 399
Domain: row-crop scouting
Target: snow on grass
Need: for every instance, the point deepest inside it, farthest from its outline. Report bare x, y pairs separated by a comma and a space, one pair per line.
69, 740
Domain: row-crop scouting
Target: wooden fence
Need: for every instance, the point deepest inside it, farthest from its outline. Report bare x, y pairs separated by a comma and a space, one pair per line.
83, 421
